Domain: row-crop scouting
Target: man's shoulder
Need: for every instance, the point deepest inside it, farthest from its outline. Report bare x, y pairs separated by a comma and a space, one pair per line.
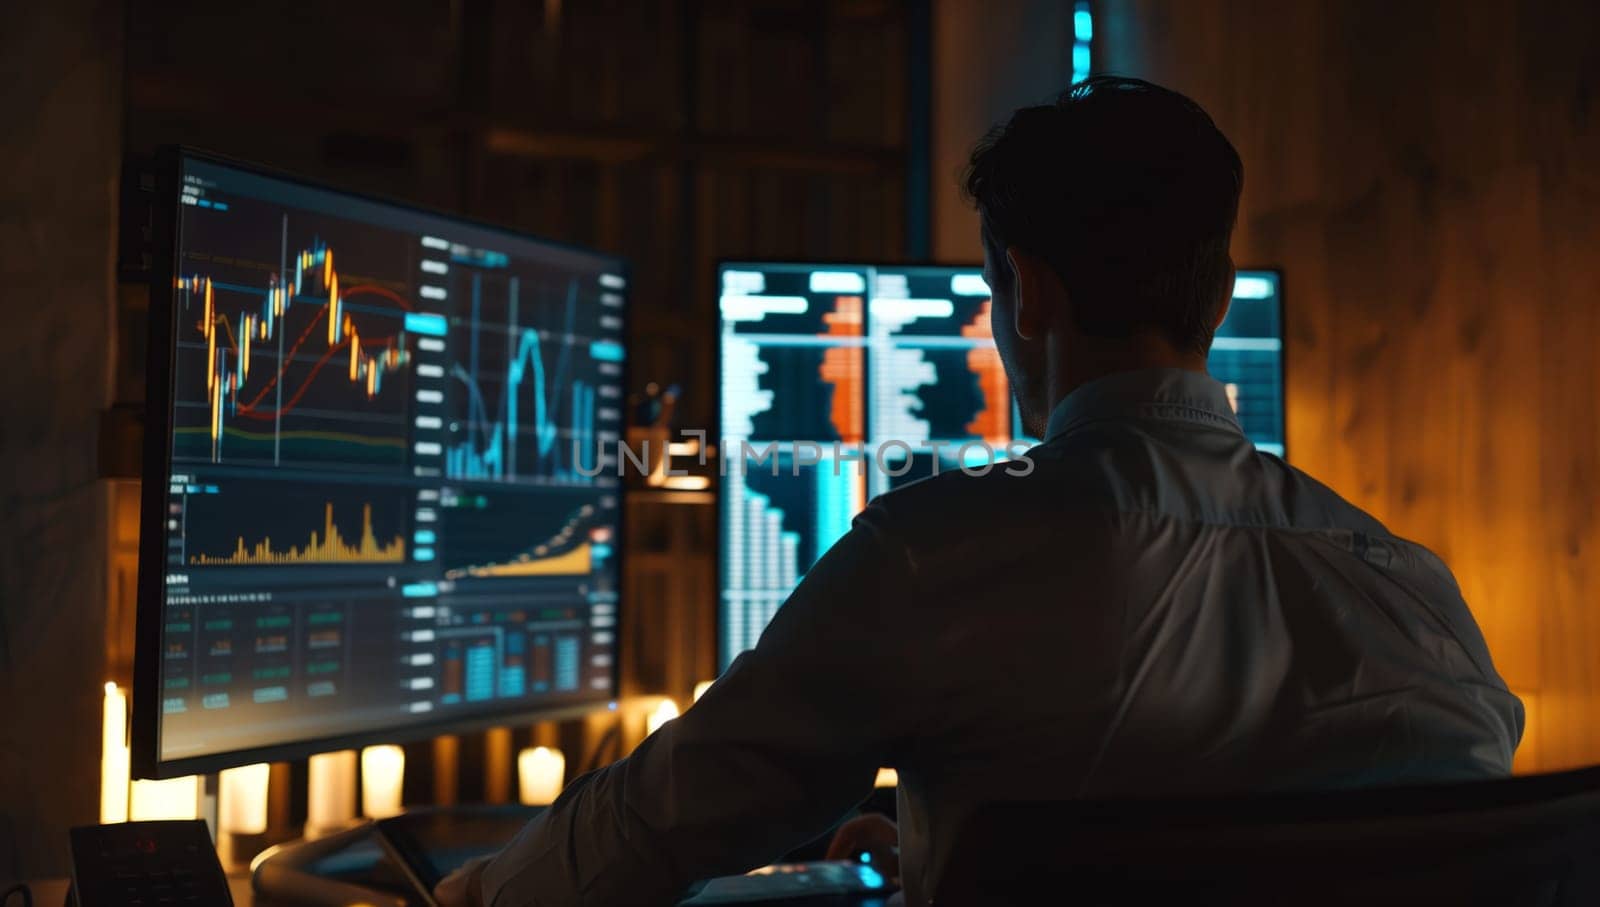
991, 491
991, 515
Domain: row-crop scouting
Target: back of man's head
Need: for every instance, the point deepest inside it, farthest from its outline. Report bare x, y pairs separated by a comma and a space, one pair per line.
1129, 192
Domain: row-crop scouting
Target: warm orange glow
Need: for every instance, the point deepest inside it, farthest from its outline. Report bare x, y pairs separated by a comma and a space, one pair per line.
383, 770
1526, 761
242, 799
541, 773
664, 712
114, 757
174, 798
330, 791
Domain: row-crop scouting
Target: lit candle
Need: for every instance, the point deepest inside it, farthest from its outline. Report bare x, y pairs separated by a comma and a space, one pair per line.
700, 689
383, 770
540, 773
330, 791
242, 799
173, 798
663, 713
114, 757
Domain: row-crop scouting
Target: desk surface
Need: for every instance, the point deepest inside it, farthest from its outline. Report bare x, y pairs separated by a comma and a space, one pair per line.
53, 892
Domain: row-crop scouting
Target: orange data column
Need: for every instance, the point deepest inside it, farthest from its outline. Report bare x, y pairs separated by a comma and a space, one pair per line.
843, 368
992, 423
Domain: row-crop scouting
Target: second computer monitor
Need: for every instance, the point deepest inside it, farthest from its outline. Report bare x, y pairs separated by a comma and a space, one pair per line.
840, 382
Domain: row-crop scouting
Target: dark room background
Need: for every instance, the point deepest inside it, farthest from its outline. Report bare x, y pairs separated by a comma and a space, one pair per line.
1425, 173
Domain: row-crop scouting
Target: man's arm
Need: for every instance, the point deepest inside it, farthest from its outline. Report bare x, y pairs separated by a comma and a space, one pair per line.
786, 742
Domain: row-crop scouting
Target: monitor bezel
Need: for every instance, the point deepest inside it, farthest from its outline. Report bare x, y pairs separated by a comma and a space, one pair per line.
144, 728
721, 663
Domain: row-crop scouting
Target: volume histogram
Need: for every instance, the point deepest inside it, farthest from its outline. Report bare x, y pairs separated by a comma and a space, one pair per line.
239, 522
330, 547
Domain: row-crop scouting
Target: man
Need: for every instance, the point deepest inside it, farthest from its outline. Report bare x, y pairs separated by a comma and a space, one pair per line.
1154, 606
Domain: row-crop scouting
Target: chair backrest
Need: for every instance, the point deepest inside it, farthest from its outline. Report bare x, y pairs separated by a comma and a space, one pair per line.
1508, 843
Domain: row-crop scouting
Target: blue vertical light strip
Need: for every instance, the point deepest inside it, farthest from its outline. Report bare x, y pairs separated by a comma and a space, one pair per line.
580, 444
513, 675
590, 445
833, 504
480, 670
1082, 36
584, 450
566, 663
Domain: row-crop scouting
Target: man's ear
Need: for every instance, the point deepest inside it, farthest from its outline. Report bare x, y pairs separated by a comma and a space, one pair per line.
1039, 293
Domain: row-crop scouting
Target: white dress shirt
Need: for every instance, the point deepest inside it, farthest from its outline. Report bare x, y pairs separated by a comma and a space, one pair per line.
1155, 607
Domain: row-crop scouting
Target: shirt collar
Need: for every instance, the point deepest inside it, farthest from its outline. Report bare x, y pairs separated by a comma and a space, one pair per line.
1161, 393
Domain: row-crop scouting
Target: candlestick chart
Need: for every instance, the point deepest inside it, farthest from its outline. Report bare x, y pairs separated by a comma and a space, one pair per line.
289, 362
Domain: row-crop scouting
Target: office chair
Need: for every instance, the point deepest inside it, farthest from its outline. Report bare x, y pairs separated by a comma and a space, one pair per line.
1519, 842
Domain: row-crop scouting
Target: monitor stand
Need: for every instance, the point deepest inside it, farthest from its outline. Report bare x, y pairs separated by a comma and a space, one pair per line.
344, 867
354, 865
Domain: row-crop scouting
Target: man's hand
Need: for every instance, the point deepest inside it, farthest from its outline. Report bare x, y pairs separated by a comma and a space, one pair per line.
876, 835
464, 887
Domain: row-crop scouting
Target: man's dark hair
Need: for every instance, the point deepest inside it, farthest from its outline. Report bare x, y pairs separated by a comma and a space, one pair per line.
1129, 191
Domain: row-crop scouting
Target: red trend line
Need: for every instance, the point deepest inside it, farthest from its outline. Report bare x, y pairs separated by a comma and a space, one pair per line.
248, 407
304, 386
375, 290
323, 310
231, 338
251, 413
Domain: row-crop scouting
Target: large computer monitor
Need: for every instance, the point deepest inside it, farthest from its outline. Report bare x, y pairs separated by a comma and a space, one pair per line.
838, 382
373, 504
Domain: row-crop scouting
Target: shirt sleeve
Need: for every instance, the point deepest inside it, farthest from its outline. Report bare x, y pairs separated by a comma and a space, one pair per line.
783, 745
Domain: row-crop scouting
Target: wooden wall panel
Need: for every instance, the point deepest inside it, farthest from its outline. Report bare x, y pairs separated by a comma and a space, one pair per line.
1427, 175
62, 109
988, 59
